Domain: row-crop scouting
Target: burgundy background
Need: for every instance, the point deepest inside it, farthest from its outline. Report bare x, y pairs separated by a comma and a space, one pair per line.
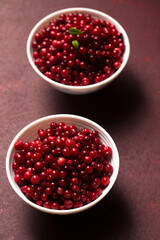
128, 109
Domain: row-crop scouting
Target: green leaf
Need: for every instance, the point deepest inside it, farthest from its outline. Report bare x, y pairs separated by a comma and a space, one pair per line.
74, 31
75, 44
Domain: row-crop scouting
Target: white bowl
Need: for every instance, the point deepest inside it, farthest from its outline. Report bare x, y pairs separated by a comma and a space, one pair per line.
77, 89
29, 133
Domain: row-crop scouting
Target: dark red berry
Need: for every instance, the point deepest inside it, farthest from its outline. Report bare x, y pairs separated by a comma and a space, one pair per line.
19, 158
19, 145
17, 178
35, 179
61, 161
105, 181
55, 206
68, 204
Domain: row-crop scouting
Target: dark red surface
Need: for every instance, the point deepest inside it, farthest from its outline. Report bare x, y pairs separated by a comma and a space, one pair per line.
128, 109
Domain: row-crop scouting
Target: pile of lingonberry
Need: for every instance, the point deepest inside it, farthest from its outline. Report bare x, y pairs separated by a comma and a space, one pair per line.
63, 168
77, 50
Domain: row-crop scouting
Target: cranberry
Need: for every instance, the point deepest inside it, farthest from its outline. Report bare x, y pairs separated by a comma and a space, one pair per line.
39, 190
39, 203
67, 194
99, 191
105, 181
82, 50
43, 176
17, 178
55, 206
98, 79
35, 179
38, 166
70, 143
27, 175
38, 37
109, 169
15, 165
35, 196
75, 188
87, 159
53, 125
62, 182
19, 145
19, 158
49, 158
94, 195
74, 151
89, 169
36, 156
61, 161
99, 167
78, 204
68, 204
62, 174
44, 197
74, 180
117, 52
116, 65
21, 170
41, 133
85, 81
60, 190
39, 62
23, 189
46, 149
48, 191
29, 191
47, 204
107, 152
93, 154
66, 152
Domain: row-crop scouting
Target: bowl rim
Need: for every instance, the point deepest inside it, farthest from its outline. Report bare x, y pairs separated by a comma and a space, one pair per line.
91, 11
53, 118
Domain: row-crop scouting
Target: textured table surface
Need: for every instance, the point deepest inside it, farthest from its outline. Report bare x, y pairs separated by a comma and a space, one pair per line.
129, 109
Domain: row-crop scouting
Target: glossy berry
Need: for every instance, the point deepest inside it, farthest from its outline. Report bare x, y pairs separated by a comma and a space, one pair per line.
35, 179
19, 145
17, 178
105, 181
55, 206
116, 65
109, 169
27, 175
61, 161
87, 159
19, 158
70, 143
29, 190
94, 195
47, 204
68, 204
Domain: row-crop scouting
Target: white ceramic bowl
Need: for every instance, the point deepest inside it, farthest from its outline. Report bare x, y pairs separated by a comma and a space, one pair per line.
77, 89
29, 133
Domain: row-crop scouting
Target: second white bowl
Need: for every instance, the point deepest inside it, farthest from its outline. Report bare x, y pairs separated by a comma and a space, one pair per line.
29, 133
